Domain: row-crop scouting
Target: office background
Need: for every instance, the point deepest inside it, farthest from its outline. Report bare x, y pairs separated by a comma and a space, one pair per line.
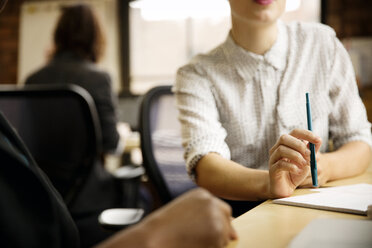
149, 39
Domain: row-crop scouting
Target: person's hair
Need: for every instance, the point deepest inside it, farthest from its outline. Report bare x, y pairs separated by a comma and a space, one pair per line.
78, 31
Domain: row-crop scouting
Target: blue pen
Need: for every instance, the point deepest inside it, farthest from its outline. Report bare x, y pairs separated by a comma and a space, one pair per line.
314, 174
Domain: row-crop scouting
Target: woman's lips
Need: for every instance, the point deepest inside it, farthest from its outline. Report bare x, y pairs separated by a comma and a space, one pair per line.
263, 2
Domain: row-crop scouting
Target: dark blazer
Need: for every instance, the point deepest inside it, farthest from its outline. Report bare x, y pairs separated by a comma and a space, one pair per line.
32, 213
66, 68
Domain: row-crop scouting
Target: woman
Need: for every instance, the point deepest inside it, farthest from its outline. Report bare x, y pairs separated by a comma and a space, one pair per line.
79, 45
243, 114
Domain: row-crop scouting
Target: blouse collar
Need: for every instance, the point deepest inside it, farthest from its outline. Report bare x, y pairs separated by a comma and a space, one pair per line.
247, 62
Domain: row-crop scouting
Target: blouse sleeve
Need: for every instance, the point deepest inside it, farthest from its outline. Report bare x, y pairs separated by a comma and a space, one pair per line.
348, 118
202, 132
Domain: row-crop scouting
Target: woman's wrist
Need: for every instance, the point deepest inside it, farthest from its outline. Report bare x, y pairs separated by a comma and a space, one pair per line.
327, 165
267, 191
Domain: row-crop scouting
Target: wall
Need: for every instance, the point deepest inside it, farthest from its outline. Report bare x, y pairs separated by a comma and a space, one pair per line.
26, 29
349, 18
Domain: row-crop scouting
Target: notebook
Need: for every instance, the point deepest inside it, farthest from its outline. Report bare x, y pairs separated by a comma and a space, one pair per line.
340, 233
353, 199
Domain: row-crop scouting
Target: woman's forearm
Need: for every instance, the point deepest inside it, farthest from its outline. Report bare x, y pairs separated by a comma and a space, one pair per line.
230, 180
349, 160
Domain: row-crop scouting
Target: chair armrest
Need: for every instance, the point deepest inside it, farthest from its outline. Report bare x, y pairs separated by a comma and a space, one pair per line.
129, 180
128, 172
118, 218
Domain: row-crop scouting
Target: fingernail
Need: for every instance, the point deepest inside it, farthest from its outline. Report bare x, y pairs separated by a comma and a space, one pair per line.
307, 152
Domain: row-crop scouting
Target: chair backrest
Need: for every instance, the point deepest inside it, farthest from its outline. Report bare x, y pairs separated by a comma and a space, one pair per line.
60, 127
161, 144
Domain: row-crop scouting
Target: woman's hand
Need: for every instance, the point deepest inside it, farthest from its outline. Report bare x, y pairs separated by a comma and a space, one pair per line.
289, 161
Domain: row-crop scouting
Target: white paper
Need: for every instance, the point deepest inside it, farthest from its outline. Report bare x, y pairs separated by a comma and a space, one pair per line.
349, 199
340, 233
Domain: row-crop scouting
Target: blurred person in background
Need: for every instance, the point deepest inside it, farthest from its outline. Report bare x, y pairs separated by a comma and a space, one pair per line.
79, 44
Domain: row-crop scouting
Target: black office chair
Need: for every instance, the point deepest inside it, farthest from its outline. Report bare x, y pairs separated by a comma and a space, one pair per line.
161, 144
60, 127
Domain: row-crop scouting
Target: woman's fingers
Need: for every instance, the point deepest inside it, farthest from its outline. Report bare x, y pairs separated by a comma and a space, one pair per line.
297, 140
307, 135
289, 154
283, 165
291, 142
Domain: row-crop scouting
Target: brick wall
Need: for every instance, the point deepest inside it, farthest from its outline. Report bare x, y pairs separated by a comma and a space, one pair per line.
9, 27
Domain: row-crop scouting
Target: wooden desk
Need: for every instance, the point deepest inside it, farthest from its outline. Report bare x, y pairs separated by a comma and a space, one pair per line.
274, 225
